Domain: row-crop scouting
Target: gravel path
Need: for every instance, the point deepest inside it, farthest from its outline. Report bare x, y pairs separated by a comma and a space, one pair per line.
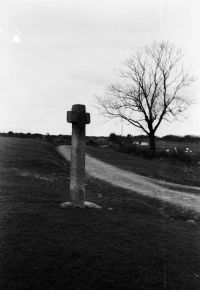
186, 196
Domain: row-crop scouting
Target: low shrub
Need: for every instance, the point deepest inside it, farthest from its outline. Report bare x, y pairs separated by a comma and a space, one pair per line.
128, 149
91, 143
136, 150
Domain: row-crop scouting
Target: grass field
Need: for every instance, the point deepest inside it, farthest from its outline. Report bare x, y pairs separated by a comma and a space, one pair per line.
43, 246
193, 146
170, 170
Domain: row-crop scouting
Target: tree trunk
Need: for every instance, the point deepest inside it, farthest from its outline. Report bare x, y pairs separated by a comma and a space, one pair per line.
152, 143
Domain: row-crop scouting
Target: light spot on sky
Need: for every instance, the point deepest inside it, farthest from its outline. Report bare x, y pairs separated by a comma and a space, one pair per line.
16, 39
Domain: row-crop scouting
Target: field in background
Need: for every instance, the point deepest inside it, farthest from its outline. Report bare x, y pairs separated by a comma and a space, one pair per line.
190, 148
172, 170
191, 143
194, 147
132, 245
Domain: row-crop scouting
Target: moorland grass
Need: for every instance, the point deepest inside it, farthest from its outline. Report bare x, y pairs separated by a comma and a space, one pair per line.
42, 246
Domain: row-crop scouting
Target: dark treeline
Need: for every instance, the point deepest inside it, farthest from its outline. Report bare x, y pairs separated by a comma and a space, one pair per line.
186, 138
22, 135
32, 135
144, 138
102, 139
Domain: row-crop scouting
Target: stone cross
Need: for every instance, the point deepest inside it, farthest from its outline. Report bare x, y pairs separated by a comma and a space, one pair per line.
79, 118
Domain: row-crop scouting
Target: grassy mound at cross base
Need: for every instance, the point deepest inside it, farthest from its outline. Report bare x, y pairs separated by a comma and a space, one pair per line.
43, 246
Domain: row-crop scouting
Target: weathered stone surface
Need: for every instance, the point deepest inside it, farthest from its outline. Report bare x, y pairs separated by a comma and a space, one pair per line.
77, 172
79, 118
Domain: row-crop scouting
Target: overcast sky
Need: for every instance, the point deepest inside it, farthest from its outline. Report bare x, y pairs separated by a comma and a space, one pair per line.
54, 54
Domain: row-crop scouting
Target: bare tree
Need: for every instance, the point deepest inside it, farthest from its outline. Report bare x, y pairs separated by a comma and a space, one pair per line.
153, 89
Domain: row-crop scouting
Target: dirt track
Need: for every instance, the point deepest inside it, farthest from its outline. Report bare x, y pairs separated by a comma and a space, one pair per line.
186, 196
